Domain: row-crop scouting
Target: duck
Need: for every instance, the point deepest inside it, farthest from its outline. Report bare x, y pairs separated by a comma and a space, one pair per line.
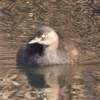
48, 47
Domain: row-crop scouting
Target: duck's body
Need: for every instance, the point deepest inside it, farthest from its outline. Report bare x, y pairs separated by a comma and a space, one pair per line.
48, 47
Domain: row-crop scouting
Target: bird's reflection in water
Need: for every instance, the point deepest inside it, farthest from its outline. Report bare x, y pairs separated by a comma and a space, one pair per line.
50, 79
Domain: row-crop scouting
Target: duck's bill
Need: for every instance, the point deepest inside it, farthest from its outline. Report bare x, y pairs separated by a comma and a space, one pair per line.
35, 40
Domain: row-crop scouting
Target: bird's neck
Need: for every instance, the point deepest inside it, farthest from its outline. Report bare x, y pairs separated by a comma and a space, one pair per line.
51, 49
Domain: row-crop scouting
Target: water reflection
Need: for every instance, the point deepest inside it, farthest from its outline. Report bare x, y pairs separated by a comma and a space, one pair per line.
51, 80
63, 82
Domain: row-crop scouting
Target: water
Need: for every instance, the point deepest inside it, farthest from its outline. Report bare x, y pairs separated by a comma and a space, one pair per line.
79, 19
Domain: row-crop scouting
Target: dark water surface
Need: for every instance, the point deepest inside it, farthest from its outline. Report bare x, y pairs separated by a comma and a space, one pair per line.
80, 19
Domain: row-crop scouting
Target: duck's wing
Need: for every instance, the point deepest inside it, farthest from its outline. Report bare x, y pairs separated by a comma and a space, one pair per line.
68, 47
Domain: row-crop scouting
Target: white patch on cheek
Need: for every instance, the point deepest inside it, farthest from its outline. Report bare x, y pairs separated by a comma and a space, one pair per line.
45, 42
42, 42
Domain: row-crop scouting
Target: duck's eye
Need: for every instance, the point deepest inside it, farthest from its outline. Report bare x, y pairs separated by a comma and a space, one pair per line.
43, 36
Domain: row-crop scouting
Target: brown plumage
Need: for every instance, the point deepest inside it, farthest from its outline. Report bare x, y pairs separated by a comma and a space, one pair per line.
47, 47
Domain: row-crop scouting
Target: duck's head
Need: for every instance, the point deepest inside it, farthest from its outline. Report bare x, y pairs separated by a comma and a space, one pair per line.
45, 36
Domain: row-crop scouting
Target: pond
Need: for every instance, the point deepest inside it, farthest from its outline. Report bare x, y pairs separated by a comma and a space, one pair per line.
80, 20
